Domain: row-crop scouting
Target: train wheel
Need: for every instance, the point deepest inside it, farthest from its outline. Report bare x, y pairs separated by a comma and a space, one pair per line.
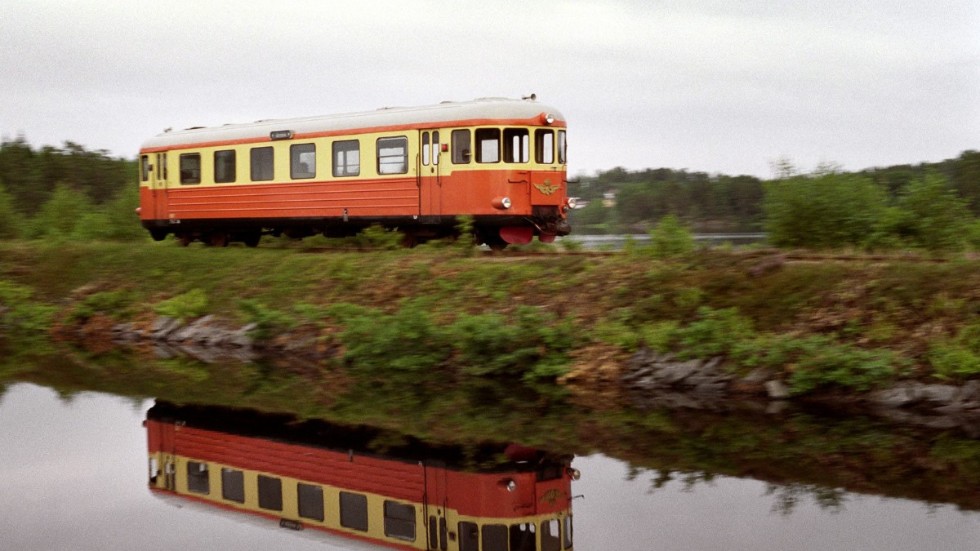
184, 239
496, 243
158, 234
218, 240
252, 239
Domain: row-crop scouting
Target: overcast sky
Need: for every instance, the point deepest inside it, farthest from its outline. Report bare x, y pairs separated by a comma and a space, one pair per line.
718, 86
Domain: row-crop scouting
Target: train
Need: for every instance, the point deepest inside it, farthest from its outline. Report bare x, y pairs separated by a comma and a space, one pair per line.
495, 164
358, 485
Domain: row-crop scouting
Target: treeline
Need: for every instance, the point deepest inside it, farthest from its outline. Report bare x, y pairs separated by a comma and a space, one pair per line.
66, 192
875, 208
70, 192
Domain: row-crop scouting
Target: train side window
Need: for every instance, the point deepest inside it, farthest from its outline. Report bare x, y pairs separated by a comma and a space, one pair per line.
353, 511
399, 521
270, 493
346, 158
551, 535
461, 147
302, 161
494, 537
190, 168
517, 145
544, 147
469, 537
568, 532
144, 168
488, 145
310, 500
425, 149
392, 155
522, 537
197, 478
262, 159
562, 147
163, 164
232, 485
224, 166
435, 147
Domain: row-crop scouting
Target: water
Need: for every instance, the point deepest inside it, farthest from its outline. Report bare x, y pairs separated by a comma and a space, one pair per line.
73, 475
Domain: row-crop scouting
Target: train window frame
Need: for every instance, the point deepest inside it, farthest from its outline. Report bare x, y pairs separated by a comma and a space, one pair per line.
390, 160
300, 154
435, 148
568, 532
232, 485
224, 166
399, 520
145, 168
344, 163
562, 147
516, 145
551, 535
262, 163
462, 143
198, 477
495, 537
270, 492
469, 536
426, 151
488, 143
523, 536
309, 501
544, 146
190, 169
354, 511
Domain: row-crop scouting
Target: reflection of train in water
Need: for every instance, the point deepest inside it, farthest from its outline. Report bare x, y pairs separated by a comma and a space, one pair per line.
312, 475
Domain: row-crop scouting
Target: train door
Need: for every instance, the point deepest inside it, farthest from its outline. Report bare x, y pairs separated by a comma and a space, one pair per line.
437, 529
163, 463
158, 185
430, 179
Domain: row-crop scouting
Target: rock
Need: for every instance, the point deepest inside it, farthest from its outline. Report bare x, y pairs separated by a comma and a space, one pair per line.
896, 397
163, 326
676, 372
940, 394
777, 390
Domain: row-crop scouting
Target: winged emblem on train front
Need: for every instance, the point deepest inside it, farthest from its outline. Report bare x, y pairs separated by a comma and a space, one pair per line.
547, 188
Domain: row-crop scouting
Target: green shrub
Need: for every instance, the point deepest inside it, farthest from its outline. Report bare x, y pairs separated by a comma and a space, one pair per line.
19, 313
670, 239
188, 305
404, 341
714, 333
117, 304
531, 345
951, 360
268, 321
845, 366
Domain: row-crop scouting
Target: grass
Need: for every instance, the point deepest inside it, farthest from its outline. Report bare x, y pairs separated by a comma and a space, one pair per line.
836, 324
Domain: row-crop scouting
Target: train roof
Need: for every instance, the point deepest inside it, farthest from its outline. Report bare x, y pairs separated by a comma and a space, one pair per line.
478, 111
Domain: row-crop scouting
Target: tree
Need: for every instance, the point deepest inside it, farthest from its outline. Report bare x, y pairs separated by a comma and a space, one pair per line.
823, 211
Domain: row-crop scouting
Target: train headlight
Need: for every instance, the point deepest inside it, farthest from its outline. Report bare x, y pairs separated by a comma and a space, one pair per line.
501, 203
572, 202
507, 483
548, 118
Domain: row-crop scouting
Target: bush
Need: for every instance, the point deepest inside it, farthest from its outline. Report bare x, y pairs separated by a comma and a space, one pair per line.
188, 305
404, 341
670, 239
531, 346
823, 211
714, 333
19, 314
11, 223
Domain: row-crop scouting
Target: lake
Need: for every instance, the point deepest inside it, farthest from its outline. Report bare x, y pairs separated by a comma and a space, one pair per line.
74, 475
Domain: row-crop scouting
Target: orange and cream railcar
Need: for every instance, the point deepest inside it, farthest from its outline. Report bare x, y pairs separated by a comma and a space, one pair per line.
500, 161
302, 478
